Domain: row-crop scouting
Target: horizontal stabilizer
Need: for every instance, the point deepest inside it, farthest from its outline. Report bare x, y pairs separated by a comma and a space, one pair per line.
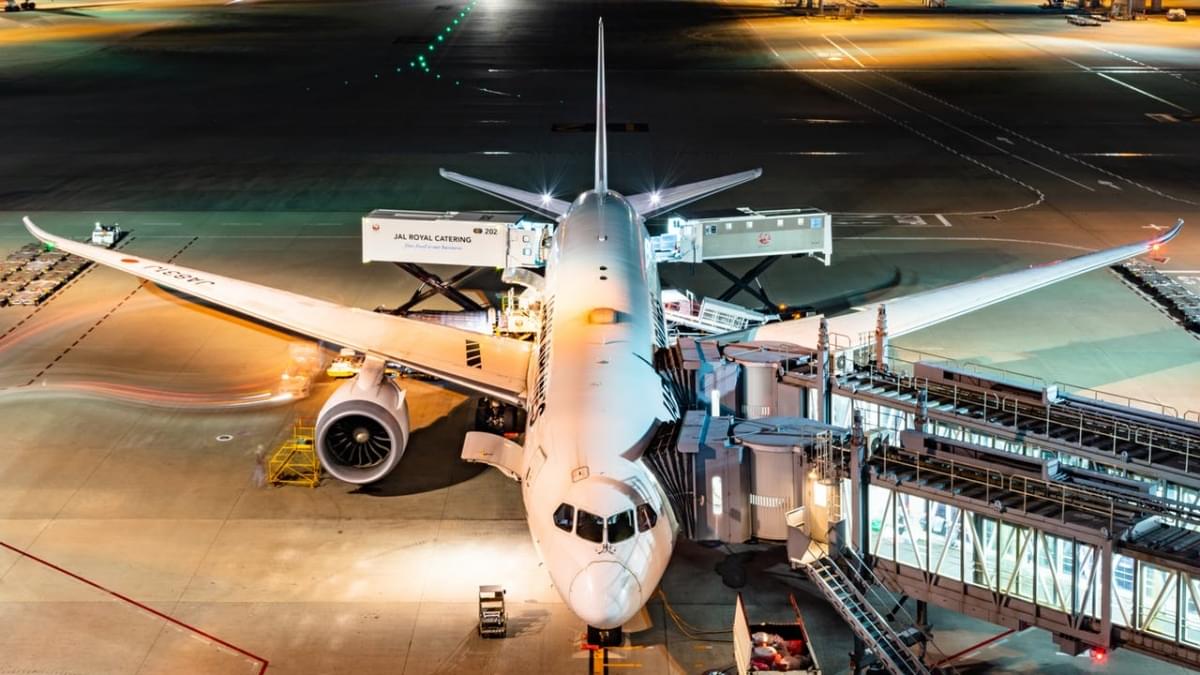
543, 204
650, 204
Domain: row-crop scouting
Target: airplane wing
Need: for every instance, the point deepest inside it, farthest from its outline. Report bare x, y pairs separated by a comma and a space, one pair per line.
492, 365
650, 204
921, 310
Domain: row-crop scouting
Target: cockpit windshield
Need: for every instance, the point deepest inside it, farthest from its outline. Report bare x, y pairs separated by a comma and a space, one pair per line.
620, 527
564, 517
590, 527
594, 528
646, 517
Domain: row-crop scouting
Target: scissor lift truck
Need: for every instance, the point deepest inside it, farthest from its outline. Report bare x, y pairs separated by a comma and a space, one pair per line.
493, 618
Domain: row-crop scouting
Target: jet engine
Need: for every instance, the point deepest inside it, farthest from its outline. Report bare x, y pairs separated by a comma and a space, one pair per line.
362, 429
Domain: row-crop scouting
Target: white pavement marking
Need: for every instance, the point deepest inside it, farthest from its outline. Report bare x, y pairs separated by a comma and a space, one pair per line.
943, 219
1156, 69
1110, 184
855, 45
843, 51
1028, 139
1041, 196
1143, 92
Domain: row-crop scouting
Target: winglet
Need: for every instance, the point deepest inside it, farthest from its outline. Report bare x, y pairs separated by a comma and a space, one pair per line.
1168, 235
38, 233
601, 185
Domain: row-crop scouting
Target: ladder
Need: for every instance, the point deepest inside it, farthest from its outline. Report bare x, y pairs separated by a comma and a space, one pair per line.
888, 646
295, 462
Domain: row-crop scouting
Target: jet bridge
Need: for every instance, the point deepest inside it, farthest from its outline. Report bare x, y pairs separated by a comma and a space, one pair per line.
982, 491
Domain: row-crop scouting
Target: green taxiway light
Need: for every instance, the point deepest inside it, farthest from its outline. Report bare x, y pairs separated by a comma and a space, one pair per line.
461, 14
440, 38
430, 47
456, 22
438, 76
49, 246
411, 64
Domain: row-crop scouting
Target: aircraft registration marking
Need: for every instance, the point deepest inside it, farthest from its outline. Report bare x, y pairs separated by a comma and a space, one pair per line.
181, 276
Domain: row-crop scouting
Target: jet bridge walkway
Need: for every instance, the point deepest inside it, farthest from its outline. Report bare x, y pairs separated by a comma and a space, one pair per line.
984, 493
1016, 541
1149, 444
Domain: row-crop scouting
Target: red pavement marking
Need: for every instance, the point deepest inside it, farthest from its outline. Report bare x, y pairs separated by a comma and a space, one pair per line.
126, 599
974, 647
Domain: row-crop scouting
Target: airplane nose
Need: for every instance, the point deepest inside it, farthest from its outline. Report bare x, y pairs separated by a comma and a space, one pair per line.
605, 595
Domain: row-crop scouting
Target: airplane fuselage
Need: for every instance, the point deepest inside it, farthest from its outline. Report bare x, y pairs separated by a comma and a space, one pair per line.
595, 400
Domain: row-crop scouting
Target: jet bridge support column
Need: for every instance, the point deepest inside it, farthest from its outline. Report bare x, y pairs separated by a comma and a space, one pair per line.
825, 373
881, 339
860, 478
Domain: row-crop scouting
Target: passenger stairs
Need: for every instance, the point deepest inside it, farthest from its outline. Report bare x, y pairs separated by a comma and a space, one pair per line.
892, 649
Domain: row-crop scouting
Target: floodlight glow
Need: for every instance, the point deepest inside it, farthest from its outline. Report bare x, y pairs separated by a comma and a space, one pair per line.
655, 198
545, 198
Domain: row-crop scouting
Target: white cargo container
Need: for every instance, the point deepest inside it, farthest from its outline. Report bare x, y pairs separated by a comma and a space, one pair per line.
453, 238
449, 238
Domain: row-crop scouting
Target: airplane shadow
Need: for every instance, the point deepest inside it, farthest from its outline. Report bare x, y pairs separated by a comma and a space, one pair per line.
432, 458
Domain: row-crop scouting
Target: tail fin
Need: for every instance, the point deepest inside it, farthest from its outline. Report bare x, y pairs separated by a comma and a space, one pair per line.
601, 119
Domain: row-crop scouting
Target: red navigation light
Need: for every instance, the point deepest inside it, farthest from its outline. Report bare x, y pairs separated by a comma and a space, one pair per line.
1099, 655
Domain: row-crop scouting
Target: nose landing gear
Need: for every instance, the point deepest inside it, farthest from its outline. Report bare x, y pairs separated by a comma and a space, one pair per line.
604, 637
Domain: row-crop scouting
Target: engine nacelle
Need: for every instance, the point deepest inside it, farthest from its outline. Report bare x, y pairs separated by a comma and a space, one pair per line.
362, 429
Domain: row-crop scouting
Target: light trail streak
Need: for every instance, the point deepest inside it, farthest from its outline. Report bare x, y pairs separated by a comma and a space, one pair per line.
153, 398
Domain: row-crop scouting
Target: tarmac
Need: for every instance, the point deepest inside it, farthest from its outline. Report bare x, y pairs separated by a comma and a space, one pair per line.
249, 139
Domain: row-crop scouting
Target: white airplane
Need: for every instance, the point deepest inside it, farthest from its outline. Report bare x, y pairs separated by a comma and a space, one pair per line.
599, 518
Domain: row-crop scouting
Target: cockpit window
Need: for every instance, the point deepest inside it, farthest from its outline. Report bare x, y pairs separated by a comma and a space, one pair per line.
646, 517
564, 517
590, 527
620, 527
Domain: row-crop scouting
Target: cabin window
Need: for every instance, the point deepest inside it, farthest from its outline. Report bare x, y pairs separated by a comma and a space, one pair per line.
646, 517
590, 526
564, 517
620, 527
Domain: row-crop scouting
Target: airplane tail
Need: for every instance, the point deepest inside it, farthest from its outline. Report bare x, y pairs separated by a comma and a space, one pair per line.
647, 204
601, 184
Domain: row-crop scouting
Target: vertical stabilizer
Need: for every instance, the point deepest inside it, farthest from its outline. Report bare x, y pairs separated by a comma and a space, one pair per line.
601, 119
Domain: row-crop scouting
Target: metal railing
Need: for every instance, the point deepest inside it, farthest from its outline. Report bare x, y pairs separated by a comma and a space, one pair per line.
1001, 487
